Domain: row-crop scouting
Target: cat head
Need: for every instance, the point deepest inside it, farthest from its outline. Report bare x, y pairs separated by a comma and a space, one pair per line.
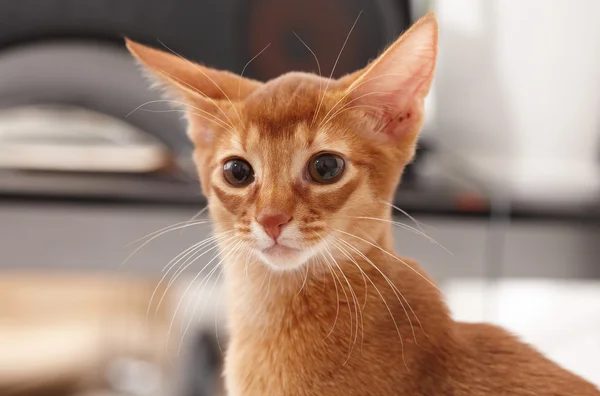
289, 164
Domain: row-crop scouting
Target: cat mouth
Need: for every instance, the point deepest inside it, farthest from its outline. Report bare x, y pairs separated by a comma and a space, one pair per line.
285, 257
280, 250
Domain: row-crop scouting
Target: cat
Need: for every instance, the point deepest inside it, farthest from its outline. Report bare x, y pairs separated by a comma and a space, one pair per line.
296, 171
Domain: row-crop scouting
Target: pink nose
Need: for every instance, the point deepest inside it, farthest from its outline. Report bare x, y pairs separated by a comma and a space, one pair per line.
273, 223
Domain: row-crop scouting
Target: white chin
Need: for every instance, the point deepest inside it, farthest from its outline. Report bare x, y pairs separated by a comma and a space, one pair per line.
283, 258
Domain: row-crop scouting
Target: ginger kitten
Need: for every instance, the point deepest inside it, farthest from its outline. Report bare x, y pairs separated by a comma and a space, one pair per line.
295, 171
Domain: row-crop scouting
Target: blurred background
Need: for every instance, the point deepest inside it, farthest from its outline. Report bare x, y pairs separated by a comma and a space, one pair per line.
93, 167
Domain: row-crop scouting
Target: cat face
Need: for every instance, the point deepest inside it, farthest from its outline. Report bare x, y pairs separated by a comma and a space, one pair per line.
285, 177
288, 164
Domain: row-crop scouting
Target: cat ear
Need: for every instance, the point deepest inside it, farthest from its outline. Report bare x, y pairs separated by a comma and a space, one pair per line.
191, 79
202, 92
393, 87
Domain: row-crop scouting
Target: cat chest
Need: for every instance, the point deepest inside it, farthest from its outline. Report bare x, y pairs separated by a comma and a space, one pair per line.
283, 366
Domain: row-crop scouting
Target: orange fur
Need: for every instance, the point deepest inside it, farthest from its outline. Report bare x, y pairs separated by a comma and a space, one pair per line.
338, 312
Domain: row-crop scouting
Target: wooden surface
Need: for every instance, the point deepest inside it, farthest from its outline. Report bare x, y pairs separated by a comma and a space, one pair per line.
58, 332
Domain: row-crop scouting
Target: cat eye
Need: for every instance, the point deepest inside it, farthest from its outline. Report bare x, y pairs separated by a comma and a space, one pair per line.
238, 172
326, 168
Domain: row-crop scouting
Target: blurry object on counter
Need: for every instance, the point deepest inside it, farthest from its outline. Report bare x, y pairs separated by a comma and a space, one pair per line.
203, 375
74, 335
77, 89
91, 97
66, 138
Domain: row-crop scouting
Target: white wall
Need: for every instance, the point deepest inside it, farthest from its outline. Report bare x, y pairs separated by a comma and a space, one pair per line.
518, 91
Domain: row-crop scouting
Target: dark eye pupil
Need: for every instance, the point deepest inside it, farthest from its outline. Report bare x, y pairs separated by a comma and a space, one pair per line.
240, 170
327, 166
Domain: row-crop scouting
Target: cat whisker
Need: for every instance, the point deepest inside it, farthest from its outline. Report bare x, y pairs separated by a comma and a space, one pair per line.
194, 252
347, 302
167, 229
202, 283
337, 294
346, 104
320, 103
391, 255
207, 300
386, 305
304, 282
317, 260
405, 227
248, 64
221, 262
365, 277
177, 226
163, 111
394, 288
234, 243
189, 251
343, 110
210, 119
215, 121
205, 114
178, 103
353, 88
321, 265
198, 214
193, 255
192, 259
262, 284
338, 109
314, 56
357, 310
419, 224
385, 277
157, 234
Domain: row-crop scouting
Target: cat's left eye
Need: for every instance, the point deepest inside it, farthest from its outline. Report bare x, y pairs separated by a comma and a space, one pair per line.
326, 168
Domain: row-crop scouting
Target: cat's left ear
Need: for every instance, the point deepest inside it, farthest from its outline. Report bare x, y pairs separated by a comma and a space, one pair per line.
393, 87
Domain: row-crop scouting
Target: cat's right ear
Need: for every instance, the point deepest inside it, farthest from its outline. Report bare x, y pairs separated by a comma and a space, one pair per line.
198, 89
189, 79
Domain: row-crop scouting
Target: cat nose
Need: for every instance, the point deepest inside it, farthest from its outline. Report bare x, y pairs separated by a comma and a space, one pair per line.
273, 223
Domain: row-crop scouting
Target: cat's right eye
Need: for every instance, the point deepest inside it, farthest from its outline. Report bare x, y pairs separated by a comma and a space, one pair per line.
326, 168
238, 172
